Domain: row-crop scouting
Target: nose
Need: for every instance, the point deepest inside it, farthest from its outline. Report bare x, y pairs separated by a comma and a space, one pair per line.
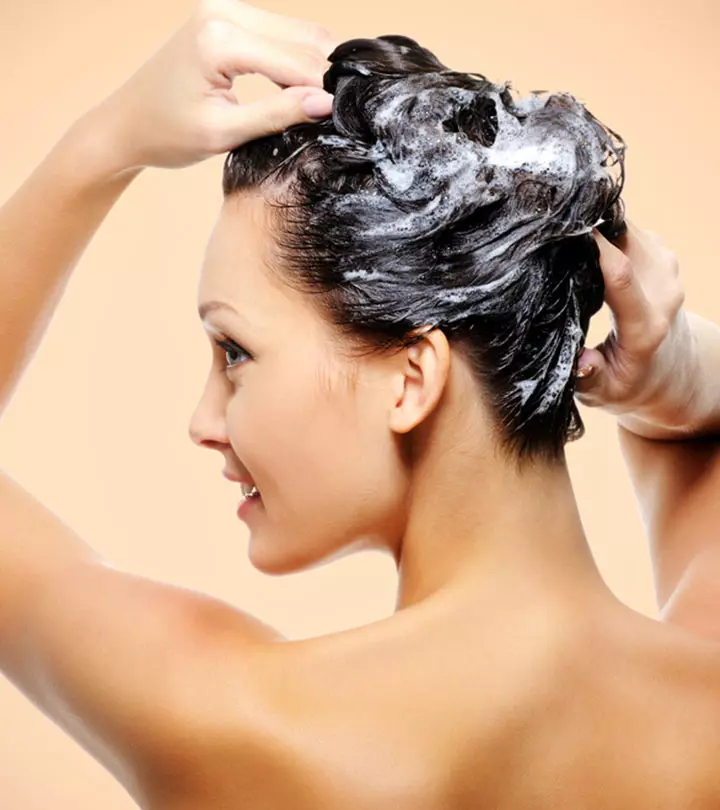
208, 426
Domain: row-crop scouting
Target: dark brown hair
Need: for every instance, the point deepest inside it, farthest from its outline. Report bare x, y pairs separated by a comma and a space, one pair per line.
435, 198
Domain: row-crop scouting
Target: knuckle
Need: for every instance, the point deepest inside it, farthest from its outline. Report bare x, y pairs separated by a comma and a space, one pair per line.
211, 9
323, 33
677, 300
272, 120
663, 324
672, 262
308, 29
217, 40
320, 35
655, 333
621, 275
213, 34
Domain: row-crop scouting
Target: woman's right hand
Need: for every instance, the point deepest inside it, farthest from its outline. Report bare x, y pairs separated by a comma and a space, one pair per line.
646, 371
180, 107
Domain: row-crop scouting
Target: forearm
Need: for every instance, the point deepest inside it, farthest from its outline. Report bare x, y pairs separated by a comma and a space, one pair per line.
704, 417
677, 481
693, 409
44, 229
676, 485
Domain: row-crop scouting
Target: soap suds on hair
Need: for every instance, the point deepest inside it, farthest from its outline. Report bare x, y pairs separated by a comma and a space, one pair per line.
439, 199
426, 176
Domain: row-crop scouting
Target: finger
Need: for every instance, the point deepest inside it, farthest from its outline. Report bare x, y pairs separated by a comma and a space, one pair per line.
286, 65
591, 377
589, 362
638, 242
272, 114
623, 292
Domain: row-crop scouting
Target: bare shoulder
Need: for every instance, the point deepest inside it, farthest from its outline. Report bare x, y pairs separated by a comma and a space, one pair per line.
358, 718
120, 662
396, 714
405, 715
408, 714
643, 714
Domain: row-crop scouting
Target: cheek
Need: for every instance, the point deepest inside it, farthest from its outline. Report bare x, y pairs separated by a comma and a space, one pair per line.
338, 472
329, 475
306, 447
278, 428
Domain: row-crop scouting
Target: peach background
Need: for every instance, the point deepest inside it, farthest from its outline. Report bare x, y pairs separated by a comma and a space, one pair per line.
98, 425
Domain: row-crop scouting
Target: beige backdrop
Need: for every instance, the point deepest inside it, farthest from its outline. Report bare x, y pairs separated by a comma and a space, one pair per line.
98, 426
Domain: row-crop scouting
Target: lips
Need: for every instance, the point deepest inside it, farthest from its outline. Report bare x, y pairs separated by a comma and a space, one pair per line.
237, 480
247, 484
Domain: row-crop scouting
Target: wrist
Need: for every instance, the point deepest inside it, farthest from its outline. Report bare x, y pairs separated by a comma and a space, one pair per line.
670, 408
704, 415
677, 409
91, 150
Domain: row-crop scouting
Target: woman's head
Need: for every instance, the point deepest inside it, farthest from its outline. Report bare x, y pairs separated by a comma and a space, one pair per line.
432, 206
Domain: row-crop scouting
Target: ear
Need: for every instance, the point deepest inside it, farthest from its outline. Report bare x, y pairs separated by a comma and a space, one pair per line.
420, 380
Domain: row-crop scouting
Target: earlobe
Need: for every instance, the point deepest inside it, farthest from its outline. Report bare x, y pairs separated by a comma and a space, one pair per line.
423, 376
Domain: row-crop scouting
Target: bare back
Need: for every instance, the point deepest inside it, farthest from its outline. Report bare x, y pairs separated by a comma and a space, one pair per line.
446, 712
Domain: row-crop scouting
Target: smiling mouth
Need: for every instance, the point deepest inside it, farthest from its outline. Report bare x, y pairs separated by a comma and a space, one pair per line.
247, 503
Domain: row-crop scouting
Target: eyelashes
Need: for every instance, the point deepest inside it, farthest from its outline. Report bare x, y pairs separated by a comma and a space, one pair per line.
229, 346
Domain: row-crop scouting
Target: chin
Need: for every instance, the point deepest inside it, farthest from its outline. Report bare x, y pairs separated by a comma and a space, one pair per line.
276, 562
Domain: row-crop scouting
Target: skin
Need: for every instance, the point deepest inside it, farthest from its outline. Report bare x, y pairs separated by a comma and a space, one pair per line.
508, 677
657, 371
518, 552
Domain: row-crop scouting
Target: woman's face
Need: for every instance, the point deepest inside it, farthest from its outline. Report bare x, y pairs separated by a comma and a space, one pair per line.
305, 424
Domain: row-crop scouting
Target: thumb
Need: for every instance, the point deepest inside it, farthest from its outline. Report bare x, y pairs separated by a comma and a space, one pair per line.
590, 376
272, 114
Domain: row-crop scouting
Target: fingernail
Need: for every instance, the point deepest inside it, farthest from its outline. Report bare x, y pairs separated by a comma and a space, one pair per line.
318, 105
585, 371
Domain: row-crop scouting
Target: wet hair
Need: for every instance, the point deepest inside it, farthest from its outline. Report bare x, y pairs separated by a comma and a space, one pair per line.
436, 198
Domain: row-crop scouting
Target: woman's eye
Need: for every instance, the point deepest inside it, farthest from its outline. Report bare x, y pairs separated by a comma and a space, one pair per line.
230, 347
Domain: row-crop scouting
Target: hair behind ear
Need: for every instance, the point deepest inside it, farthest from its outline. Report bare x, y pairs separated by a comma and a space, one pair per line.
435, 198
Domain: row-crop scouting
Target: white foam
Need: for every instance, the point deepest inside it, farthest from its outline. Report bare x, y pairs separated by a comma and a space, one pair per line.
427, 176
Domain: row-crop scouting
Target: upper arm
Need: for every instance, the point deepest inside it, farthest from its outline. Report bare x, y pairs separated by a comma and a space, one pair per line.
677, 484
131, 668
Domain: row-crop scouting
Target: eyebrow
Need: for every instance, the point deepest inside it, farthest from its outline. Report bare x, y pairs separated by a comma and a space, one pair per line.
210, 306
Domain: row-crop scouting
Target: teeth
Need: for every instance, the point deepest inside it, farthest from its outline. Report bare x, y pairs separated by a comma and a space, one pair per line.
249, 489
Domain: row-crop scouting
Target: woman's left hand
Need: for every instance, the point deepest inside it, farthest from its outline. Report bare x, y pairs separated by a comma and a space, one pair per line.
179, 108
646, 370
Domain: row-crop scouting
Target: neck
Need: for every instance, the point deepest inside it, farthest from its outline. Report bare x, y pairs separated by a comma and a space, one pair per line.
495, 536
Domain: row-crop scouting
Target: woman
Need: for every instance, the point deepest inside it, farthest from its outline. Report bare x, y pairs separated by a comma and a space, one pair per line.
509, 676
